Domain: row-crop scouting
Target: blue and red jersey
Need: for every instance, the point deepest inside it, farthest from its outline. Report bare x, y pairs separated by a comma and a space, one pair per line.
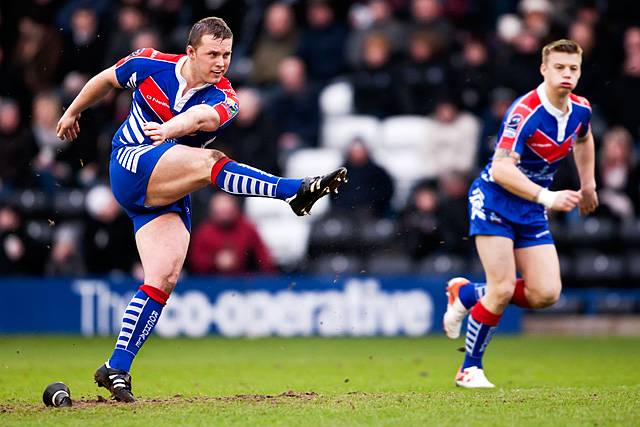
159, 94
541, 134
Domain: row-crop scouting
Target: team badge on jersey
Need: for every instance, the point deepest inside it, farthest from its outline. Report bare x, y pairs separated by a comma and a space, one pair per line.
512, 125
231, 106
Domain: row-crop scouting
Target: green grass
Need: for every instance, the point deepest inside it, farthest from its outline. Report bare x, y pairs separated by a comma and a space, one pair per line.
379, 381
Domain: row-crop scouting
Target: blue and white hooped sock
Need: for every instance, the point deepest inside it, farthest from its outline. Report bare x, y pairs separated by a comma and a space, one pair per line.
139, 319
481, 325
243, 180
471, 293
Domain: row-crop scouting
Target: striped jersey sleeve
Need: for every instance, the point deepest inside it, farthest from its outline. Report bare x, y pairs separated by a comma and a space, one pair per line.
519, 123
585, 118
134, 68
225, 102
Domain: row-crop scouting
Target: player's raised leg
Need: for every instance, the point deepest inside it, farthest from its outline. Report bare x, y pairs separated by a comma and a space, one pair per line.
540, 269
496, 255
162, 245
182, 170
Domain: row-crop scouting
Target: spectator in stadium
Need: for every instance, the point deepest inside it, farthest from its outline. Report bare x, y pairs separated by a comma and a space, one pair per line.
322, 43
65, 258
279, 40
374, 85
373, 17
424, 78
82, 156
227, 242
428, 15
453, 213
50, 171
129, 21
537, 17
17, 148
618, 175
500, 100
19, 253
83, 46
473, 76
596, 67
420, 222
107, 231
370, 187
146, 38
520, 70
37, 54
626, 86
455, 133
294, 107
257, 131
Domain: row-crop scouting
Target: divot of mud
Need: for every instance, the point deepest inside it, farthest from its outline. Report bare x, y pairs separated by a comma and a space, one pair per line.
80, 404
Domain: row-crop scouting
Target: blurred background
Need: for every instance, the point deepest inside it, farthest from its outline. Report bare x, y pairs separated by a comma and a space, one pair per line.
408, 94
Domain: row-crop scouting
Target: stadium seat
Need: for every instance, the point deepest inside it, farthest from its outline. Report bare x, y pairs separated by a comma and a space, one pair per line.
332, 233
40, 231
377, 233
446, 265
339, 132
386, 263
591, 266
261, 208
30, 201
630, 232
453, 148
405, 132
406, 166
336, 264
336, 99
567, 304
69, 202
632, 262
614, 303
313, 161
591, 230
566, 265
287, 239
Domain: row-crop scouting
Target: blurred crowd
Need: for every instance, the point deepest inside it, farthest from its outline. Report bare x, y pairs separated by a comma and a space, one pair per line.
300, 67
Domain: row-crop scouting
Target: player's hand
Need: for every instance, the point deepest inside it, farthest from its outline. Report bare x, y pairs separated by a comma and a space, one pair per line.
68, 126
566, 200
155, 131
589, 201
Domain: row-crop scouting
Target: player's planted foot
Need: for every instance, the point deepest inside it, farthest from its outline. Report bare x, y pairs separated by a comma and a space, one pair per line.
116, 381
472, 377
313, 188
456, 311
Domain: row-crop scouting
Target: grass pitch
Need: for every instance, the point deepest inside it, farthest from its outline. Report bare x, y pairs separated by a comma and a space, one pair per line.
327, 382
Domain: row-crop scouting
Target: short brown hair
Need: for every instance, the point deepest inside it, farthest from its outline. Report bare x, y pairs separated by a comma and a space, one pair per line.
212, 26
562, 45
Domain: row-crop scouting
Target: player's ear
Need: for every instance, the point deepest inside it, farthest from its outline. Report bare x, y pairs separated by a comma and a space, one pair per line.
543, 68
191, 52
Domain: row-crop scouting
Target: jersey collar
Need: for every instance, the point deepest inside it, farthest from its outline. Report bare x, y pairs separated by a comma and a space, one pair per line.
558, 114
181, 100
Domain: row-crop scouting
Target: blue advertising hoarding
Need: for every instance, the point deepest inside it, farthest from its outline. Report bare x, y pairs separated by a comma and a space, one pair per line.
237, 307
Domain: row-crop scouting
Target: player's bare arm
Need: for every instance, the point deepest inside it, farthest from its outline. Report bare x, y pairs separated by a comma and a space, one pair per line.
584, 156
505, 172
198, 118
97, 88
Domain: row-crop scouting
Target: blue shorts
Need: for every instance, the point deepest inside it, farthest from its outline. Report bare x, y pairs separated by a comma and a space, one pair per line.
495, 212
130, 169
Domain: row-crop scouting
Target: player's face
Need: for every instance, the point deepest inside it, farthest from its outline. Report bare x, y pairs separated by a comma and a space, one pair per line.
561, 71
212, 58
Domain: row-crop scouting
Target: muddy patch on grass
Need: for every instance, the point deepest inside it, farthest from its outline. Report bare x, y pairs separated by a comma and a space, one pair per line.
100, 401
